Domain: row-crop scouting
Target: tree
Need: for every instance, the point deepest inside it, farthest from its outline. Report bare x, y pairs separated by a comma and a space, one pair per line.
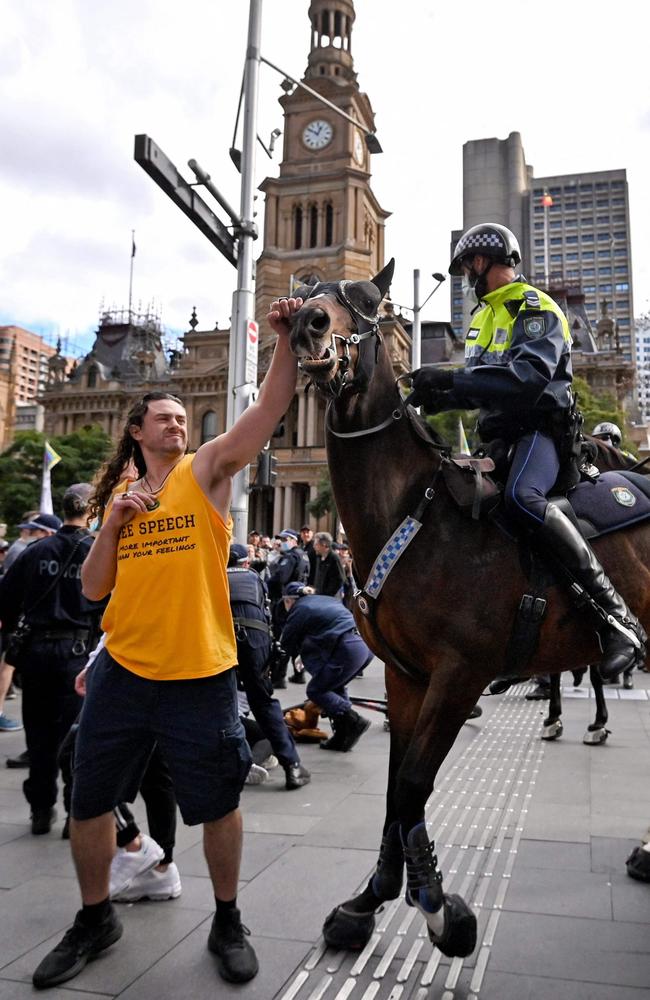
596, 409
21, 467
323, 502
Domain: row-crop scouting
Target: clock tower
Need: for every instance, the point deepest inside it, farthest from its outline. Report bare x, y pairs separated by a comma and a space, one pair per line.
322, 217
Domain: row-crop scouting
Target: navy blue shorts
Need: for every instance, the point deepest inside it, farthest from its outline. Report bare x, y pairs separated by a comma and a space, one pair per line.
197, 728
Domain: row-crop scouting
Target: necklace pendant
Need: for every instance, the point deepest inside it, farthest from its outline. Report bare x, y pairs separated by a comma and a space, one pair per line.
153, 506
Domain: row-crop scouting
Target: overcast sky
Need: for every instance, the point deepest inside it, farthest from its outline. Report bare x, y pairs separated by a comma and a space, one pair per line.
79, 78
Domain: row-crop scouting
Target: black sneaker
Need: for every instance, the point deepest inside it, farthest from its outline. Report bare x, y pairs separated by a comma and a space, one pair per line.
236, 960
79, 945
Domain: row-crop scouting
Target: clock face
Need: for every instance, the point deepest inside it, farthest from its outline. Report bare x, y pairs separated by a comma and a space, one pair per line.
317, 134
358, 148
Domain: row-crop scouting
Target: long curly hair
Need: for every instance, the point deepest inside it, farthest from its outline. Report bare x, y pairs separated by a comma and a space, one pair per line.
128, 452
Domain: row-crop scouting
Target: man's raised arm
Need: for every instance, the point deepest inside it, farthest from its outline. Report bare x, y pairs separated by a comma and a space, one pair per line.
231, 451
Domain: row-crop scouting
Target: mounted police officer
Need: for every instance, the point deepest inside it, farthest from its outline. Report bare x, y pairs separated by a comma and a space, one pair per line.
253, 635
518, 372
60, 627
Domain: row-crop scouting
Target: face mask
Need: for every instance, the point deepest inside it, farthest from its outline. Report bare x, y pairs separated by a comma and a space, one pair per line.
469, 290
285, 547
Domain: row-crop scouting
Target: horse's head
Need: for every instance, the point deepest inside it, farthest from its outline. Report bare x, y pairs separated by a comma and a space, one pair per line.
333, 330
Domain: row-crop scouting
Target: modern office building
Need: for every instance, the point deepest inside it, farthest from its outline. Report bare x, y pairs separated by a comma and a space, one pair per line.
642, 340
574, 231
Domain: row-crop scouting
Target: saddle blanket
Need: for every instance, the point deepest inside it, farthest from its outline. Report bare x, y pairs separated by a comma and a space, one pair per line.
615, 500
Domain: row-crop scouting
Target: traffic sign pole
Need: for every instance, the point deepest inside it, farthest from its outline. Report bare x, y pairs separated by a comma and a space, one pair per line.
242, 371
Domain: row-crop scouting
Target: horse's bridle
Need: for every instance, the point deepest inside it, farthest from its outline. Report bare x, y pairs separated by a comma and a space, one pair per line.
367, 327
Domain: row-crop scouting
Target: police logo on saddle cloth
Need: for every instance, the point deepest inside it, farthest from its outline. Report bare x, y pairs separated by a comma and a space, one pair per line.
623, 496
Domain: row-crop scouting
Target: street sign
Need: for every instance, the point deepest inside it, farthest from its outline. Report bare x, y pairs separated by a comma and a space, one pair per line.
252, 343
152, 159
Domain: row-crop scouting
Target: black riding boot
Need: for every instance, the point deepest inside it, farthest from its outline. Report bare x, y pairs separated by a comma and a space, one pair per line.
623, 646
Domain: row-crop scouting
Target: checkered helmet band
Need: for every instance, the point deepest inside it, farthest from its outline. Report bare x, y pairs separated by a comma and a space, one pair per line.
489, 239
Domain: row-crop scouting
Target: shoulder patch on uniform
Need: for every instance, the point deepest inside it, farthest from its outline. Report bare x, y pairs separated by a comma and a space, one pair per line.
534, 326
532, 299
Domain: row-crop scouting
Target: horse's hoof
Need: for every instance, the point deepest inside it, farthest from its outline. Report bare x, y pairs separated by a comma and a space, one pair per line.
638, 865
594, 737
552, 730
348, 931
459, 937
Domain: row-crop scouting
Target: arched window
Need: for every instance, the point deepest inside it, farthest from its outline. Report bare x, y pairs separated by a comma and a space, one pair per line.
329, 224
92, 378
208, 426
313, 226
297, 227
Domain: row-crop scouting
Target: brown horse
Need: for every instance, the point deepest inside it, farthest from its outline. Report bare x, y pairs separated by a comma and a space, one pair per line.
442, 618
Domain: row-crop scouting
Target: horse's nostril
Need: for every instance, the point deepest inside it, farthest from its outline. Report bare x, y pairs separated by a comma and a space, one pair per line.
319, 321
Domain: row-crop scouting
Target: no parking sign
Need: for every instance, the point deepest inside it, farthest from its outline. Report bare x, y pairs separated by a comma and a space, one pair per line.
252, 342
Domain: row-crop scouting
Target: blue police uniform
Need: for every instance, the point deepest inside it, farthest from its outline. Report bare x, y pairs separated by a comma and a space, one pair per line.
518, 373
63, 627
323, 632
253, 635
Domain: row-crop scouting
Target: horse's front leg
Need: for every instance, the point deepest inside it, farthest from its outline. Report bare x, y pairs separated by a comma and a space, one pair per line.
350, 925
552, 727
452, 692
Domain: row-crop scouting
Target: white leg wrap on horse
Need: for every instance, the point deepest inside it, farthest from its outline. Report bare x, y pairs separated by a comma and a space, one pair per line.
435, 921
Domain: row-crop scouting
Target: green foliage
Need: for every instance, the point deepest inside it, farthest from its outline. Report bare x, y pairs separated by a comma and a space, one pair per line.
21, 467
596, 409
323, 503
446, 425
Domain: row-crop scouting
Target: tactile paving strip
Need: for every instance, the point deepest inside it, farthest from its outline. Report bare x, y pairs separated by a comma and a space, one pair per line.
476, 817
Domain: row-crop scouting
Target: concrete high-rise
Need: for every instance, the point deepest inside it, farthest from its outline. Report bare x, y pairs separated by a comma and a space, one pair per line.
574, 230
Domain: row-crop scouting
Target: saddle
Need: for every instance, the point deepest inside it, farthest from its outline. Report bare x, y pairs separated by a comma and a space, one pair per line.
469, 484
604, 502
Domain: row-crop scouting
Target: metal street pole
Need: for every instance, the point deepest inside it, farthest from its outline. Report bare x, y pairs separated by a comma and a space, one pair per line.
242, 370
416, 336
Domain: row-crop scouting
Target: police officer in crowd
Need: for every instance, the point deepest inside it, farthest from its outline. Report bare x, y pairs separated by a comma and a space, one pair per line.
292, 566
248, 604
33, 526
518, 371
608, 432
323, 632
328, 576
44, 587
306, 543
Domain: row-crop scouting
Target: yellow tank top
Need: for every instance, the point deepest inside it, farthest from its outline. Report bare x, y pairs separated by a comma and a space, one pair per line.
169, 613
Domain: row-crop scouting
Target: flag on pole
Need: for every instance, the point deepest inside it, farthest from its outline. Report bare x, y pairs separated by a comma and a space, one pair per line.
463, 446
50, 459
547, 200
132, 243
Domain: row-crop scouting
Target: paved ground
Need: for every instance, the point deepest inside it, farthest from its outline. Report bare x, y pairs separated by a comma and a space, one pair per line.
534, 835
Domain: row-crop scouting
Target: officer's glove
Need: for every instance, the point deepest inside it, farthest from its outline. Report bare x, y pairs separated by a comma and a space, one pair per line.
428, 385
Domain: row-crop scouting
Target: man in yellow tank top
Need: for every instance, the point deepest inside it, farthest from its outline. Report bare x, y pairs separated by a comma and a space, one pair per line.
165, 675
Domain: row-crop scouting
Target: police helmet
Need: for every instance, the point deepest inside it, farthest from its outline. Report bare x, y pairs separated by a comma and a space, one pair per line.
489, 239
608, 430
